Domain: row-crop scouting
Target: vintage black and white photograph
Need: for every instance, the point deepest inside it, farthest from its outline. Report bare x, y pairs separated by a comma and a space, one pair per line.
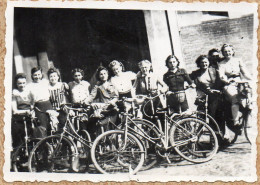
142, 91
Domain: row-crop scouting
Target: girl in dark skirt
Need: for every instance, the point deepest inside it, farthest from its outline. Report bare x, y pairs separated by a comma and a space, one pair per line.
41, 100
175, 78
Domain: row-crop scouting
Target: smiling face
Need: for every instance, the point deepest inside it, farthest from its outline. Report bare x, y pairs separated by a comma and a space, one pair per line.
172, 63
103, 75
117, 69
37, 76
204, 63
145, 69
228, 52
21, 83
77, 76
54, 78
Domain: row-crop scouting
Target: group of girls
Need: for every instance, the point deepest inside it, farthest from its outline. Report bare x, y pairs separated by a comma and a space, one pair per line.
213, 73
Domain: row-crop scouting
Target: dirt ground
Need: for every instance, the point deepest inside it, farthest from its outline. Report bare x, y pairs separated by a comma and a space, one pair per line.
234, 160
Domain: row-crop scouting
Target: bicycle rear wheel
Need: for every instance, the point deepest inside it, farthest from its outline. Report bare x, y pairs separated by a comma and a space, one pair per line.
146, 128
52, 154
112, 152
194, 140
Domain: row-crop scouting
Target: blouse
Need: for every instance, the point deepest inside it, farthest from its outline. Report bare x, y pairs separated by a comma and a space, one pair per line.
231, 69
175, 80
104, 93
79, 91
123, 82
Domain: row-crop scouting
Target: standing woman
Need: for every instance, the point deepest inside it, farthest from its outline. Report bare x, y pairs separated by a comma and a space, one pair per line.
147, 83
175, 78
231, 70
79, 88
122, 79
104, 92
41, 100
58, 90
206, 79
21, 105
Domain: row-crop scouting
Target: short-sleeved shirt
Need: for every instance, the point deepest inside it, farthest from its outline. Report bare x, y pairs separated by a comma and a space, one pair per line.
39, 91
23, 99
176, 80
123, 82
79, 91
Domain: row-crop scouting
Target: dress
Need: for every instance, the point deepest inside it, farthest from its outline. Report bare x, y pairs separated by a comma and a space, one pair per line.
231, 70
175, 81
79, 92
123, 83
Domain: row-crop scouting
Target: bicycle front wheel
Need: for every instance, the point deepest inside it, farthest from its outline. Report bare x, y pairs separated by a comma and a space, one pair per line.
194, 140
20, 156
112, 152
52, 154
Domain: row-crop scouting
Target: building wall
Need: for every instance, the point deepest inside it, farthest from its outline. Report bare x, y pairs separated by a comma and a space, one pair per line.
199, 39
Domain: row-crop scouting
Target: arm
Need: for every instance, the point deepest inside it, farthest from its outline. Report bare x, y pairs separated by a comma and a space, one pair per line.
92, 95
163, 85
244, 70
188, 79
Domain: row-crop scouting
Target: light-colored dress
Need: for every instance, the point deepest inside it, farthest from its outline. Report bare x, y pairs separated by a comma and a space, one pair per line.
232, 70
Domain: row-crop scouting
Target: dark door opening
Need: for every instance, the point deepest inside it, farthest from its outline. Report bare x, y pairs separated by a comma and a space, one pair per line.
82, 38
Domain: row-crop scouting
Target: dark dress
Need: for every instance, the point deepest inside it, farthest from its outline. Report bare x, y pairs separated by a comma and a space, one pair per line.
177, 101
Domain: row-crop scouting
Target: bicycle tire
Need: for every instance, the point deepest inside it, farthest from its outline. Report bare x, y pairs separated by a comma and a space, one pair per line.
84, 150
54, 153
109, 158
151, 158
246, 127
193, 148
20, 156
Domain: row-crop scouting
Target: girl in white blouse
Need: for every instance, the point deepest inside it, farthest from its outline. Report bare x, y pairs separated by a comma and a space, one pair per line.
41, 100
231, 70
122, 80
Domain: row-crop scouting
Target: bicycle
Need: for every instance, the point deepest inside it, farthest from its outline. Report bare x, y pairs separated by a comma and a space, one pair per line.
59, 152
186, 136
19, 158
244, 93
